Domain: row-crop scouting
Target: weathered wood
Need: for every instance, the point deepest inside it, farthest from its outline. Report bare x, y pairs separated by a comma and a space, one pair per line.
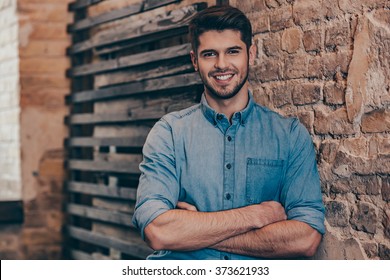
80, 255
101, 190
179, 81
171, 22
135, 247
141, 114
79, 4
131, 61
131, 141
152, 4
116, 205
106, 17
118, 14
100, 214
118, 167
111, 50
114, 230
145, 72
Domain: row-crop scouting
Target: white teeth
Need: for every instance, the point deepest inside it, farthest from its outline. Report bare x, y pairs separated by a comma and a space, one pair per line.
224, 77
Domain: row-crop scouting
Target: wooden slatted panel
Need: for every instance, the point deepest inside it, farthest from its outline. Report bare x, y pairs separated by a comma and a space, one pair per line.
135, 246
130, 66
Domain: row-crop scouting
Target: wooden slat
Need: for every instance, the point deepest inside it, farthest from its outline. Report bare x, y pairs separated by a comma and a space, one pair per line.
171, 22
135, 247
100, 214
118, 14
101, 190
117, 167
131, 141
106, 17
152, 4
159, 84
80, 255
79, 4
156, 70
131, 61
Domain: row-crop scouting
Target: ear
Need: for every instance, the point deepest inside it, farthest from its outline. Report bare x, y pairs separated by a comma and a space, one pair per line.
252, 54
194, 60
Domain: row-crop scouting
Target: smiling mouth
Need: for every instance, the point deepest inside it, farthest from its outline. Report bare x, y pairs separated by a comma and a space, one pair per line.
223, 77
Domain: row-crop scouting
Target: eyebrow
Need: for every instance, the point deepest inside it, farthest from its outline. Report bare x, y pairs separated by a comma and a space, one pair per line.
212, 50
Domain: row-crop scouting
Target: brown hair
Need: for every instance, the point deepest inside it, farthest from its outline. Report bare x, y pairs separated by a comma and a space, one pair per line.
220, 18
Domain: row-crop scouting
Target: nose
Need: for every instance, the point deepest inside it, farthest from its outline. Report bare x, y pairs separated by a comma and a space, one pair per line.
221, 62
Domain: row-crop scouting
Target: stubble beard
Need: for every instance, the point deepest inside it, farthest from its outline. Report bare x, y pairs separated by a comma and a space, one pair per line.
224, 94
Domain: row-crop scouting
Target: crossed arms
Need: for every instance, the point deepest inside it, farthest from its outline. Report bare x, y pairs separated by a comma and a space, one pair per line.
259, 230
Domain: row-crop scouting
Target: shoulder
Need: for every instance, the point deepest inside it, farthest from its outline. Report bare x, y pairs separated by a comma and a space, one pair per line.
275, 119
175, 117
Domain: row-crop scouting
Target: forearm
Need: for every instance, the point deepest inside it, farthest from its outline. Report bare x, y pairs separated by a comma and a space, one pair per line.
191, 230
284, 239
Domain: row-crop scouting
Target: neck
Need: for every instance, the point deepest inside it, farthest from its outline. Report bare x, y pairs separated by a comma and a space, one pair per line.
229, 106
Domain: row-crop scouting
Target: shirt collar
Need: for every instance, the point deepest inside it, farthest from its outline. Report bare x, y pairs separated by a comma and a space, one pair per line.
213, 116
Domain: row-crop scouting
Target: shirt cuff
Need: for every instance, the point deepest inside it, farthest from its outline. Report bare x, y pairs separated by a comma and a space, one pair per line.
147, 212
312, 217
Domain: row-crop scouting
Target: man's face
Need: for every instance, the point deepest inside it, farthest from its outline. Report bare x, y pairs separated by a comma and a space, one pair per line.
223, 63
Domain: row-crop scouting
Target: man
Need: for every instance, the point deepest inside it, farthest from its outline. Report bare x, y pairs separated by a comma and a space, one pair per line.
227, 178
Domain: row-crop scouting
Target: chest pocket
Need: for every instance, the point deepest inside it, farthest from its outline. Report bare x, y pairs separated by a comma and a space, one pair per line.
263, 179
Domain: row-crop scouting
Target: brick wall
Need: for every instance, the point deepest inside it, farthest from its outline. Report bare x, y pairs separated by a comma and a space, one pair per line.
328, 63
41, 41
10, 181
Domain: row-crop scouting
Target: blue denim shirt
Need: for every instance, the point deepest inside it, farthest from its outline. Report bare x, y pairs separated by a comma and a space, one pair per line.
196, 155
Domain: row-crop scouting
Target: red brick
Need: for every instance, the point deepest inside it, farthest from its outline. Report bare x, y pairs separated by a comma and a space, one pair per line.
335, 62
315, 67
307, 119
306, 12
334, 93
308, 93
280, 94
268, 70
295, 67
312, 40
333, 122
376, 121
291, 40
271, 44
337, 35
281, 18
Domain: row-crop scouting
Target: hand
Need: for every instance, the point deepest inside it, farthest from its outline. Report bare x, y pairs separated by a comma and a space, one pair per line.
186, 206
270, 212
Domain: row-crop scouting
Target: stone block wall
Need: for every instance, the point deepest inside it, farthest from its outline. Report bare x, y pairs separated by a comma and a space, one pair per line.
39, 42
10, 181
327, 62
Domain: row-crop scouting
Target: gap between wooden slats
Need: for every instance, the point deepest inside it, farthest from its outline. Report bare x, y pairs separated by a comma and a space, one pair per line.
131, 61
118, 14
135, 247
177, 19
151, 85
102, 190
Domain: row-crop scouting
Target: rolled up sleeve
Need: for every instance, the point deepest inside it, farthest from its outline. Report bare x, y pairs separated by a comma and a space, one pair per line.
158, 188
301, 192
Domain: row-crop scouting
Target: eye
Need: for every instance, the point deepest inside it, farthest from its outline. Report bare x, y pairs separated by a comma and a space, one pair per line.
208, 54
234, 51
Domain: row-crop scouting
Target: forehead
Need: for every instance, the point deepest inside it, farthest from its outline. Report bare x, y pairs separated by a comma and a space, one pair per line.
214, 39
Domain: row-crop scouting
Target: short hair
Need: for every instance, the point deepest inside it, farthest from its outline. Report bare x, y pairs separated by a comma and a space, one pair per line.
220, 18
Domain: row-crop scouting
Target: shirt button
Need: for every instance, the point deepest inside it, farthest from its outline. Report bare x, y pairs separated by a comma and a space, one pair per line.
219, 117
228, 166
225, 257
228, 196
229, 138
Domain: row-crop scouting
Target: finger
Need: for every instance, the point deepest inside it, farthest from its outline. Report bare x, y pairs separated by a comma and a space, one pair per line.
186, 206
